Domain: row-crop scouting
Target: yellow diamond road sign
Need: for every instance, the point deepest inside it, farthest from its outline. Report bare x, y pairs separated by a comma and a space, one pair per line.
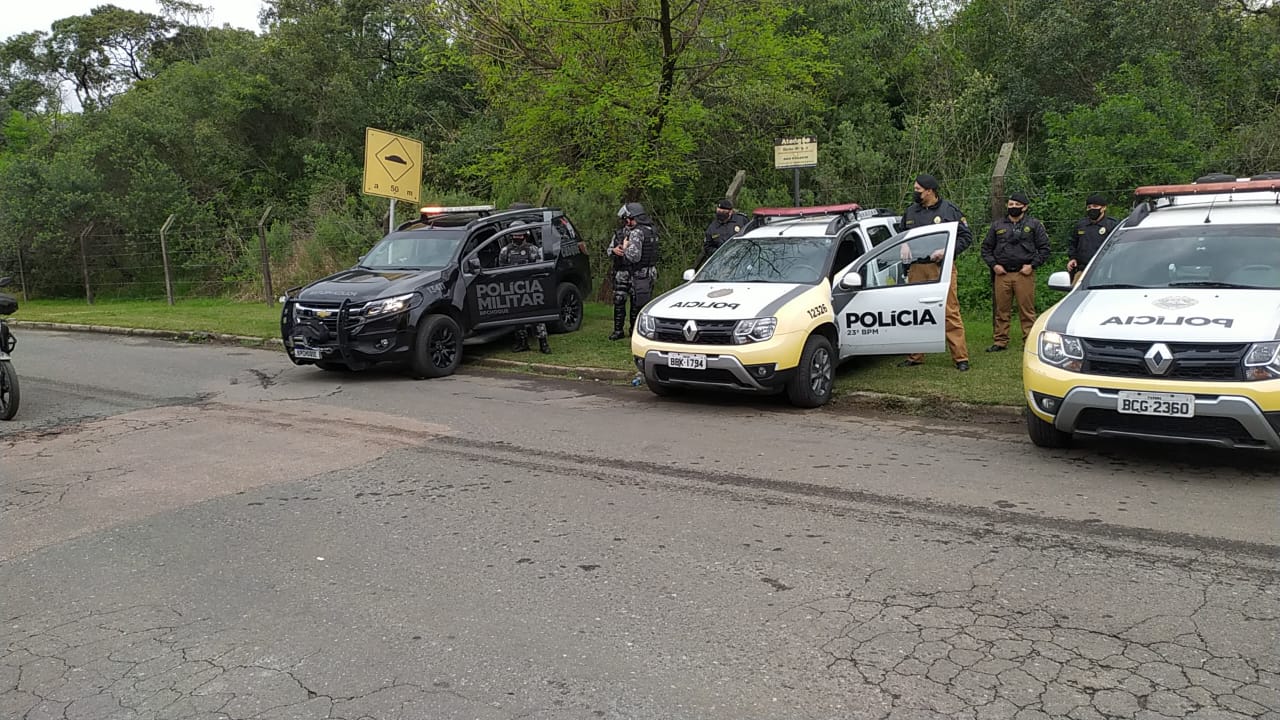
392, 165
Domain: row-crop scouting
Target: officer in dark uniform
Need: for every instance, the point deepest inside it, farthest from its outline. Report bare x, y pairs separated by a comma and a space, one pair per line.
726, 224
1088, 234
634, 251
522, 252
1014, 247
929, 208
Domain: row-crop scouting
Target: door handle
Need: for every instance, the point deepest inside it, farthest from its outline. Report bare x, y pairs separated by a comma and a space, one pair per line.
930, 300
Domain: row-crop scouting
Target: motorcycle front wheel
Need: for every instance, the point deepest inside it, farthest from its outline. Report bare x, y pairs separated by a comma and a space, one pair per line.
8, 391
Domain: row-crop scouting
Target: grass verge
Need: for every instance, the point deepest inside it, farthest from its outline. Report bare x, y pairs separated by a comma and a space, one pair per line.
994, 379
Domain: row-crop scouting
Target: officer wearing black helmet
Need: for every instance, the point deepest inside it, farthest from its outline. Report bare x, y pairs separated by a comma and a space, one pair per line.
1088, 235
726, 224
520, 251
634, 252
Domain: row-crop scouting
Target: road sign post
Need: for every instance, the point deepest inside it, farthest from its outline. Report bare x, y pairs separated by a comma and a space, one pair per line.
392, 168
795, 153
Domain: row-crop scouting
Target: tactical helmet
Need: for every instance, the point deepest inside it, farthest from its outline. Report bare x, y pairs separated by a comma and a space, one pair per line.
633, 209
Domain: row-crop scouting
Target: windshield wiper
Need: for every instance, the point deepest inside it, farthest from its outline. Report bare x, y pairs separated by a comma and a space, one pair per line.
1216, 284
1118, 286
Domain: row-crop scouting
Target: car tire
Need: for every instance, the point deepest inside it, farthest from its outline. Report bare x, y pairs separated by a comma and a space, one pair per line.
437, 349
812, 383
569, 300
9, 394
332, 366
1044, 434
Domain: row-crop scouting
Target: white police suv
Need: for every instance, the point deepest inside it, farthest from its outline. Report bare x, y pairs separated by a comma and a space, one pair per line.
777, 308
1173, 332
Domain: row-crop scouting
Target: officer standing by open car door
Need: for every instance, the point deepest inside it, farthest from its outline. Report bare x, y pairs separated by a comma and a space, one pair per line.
1014, 247
1088, 235
929, 208
635, 266
522, 252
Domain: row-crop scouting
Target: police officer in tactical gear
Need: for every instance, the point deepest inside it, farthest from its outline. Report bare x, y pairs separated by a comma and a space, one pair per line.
1014, 247
726, 224
1088, 234
634, 252
522, 252
929, 208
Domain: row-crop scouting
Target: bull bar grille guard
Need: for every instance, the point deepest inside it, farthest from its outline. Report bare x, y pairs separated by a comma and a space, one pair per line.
342, 334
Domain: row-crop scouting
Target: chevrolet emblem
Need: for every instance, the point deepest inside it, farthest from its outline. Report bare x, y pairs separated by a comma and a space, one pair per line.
323, 313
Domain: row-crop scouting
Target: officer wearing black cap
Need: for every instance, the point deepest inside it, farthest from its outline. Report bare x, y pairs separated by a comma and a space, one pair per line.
1088, 235
929, 208
726, 224
1014, 247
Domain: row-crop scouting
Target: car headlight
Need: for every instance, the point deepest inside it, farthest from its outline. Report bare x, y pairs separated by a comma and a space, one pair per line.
1063, 351
1262, 362
754, 330
646, 326
387, 306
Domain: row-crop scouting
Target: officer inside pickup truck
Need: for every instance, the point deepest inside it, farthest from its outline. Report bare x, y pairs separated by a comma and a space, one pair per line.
1088, 234
522, 252
1014, 247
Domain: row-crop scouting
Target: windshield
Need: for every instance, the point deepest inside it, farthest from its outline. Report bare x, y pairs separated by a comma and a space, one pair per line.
413, 250
1222, 256
771, 259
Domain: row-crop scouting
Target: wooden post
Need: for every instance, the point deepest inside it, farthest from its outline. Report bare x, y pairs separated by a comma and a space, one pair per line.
998, 207
266, 258
84, 263
735, 187
164, 257
545, 196
22, 274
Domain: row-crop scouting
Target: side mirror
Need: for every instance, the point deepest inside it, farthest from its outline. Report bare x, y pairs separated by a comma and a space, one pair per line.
473, 264
851, 280
1060, 280
688, 274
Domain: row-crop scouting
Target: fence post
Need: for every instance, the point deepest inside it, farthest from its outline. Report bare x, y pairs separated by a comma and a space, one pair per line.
997, 208
266, 258
736, 186
84, 263
164, 257
22, 274
545, 196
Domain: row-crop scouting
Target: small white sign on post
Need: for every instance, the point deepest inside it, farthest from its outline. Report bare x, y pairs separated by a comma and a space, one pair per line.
797, 152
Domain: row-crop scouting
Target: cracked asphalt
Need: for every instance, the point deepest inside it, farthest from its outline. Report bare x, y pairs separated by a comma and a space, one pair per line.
208, 532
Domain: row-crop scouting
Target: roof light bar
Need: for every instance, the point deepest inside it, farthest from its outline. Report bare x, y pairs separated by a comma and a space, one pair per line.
804, 211
435, 210
1218, 188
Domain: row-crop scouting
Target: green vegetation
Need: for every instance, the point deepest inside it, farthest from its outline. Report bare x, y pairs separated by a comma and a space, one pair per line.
204, 315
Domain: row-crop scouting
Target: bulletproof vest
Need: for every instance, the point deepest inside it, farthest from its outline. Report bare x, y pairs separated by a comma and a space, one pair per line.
521, 255
649, 252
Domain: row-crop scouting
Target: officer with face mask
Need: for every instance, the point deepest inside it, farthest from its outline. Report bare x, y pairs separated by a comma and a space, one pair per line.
726, 224
1088, 234
1014, 247
928, 208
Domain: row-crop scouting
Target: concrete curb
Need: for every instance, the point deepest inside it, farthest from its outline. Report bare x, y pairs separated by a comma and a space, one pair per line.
935, 407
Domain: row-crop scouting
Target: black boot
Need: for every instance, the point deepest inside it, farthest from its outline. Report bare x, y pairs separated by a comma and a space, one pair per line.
619, 317
543, 346
522, 342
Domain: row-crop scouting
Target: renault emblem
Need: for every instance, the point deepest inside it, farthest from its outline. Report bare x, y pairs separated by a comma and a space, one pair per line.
690, 330
1158, 359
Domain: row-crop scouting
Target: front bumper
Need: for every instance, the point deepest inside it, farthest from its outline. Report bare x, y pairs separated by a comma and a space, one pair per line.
348, 339
1227, 414
757, 367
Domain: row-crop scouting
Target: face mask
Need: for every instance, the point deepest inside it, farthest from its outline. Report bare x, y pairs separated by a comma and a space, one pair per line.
917, 198
722, 214
1093, 213
1015, 212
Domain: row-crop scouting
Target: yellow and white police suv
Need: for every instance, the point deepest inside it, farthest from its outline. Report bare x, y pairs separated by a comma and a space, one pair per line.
778, 307
1173, 332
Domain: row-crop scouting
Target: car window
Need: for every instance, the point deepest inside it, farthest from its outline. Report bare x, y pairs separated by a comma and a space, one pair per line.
878, 234
1192, 256
800, 260
897, 262
850, 250
413, 249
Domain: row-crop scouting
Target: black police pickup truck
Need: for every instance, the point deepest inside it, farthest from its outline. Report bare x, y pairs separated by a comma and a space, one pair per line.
434, 283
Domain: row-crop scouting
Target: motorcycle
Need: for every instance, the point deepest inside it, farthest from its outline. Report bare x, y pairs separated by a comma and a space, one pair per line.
8, 376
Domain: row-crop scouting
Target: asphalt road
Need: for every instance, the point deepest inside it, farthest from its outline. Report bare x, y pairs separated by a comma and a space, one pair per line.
209, 532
